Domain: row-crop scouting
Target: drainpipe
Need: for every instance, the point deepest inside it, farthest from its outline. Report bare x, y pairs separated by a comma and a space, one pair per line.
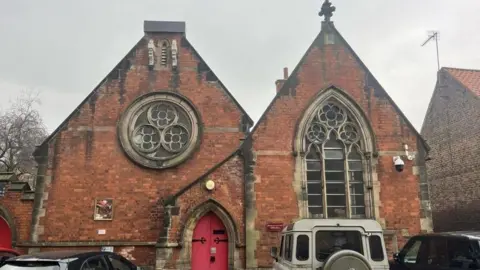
368, 155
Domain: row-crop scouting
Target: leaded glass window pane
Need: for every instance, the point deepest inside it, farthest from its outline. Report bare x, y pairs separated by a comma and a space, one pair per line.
334, 165
315, 200
335, 188
332, 143
334, 154
358, 211
314, 176
314, 182
338, 177
334, 159
357, 189
315, 165
315, 188
315, 211
336, 212
355, 165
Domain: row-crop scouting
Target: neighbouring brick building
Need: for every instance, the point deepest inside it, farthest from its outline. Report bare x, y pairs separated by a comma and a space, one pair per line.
160, 159
16, 200
452, 128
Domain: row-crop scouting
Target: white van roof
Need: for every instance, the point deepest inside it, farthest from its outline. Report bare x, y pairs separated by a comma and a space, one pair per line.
369, 225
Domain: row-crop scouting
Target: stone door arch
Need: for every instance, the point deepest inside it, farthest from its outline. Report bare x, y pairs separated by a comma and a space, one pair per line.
187, 233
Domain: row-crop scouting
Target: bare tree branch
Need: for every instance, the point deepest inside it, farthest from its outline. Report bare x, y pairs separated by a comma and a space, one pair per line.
21, 130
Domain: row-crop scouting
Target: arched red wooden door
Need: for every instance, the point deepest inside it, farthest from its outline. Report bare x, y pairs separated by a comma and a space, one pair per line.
210, 244
5, 234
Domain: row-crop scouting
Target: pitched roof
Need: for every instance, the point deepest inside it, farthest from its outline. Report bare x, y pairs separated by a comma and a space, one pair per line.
370, 77
119, 69
470, 78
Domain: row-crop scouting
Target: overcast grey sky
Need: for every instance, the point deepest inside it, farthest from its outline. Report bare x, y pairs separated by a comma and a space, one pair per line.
65, 48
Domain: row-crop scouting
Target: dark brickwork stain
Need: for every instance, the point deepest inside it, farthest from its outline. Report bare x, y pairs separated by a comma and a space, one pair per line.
56, 150
201, 68
88, 144
175, 79
92, 101
124, 68
211, 77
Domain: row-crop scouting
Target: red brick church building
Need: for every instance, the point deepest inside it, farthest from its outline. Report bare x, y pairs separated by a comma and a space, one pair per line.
160, 159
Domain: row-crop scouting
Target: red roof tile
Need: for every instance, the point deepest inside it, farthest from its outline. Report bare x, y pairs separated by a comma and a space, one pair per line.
470, 78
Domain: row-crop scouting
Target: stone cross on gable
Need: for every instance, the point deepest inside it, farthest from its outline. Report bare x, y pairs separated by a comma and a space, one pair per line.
327, 10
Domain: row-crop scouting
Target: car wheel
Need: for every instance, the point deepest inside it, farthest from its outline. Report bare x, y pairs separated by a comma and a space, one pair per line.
348, 260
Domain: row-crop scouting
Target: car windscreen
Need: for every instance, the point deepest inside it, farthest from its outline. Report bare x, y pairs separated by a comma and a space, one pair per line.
328, 242
30, 265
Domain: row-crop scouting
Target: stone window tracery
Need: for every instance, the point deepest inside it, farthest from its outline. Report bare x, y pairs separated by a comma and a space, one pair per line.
159, 130
334, 164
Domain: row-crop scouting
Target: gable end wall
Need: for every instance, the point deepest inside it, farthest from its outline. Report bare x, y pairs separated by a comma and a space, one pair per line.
452, 128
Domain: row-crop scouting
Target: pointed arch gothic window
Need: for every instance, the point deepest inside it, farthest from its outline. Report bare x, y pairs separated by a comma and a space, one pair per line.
334, 164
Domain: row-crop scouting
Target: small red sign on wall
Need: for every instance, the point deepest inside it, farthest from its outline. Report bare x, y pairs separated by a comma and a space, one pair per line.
274, 227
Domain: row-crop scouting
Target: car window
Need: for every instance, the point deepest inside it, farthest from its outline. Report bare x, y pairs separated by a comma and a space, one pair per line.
460, 254
288, 247
328, 242
376, 248
281, 246
437, 252
303, 247
118, 264
475, 248
411, 251
96, 263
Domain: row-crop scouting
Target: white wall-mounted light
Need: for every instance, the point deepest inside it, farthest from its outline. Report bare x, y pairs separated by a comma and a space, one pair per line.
210, 185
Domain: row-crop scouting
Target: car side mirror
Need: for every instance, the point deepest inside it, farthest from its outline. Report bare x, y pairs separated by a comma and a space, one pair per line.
396, 257
273, 252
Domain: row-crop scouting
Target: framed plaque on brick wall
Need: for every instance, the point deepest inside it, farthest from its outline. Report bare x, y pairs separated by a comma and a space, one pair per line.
103, 209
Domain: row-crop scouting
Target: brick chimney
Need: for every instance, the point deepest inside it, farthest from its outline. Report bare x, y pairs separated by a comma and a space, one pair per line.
279, 83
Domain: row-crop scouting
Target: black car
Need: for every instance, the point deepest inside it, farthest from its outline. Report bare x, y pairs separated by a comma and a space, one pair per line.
69, 260
445, 251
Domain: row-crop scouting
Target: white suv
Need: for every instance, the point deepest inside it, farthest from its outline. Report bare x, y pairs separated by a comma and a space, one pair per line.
331, 244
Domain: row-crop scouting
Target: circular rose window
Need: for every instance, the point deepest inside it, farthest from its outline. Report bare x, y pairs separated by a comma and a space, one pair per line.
159, 130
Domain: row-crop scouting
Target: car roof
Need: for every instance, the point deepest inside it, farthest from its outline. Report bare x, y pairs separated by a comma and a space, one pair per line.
474, 235
369, 225
59, 255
